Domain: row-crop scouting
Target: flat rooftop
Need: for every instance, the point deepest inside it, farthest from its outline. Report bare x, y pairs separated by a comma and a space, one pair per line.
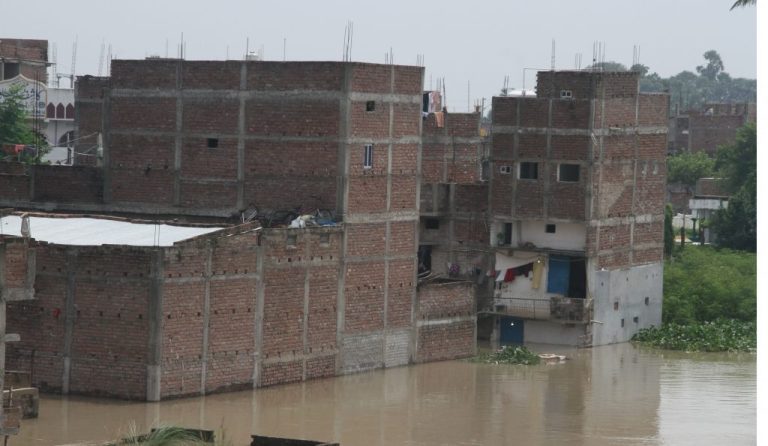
89, 231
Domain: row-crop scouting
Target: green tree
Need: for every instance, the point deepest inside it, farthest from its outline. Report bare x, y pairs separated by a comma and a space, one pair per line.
687, 168
14, 125
669, 231
713, 67
736, 226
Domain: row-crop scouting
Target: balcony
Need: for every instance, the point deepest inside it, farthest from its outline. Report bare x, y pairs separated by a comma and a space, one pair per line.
555, 308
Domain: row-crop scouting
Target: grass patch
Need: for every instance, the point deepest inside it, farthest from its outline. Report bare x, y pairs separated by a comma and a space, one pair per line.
508, 354
718, 336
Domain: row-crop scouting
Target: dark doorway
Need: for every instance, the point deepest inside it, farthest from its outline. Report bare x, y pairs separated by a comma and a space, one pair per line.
511, 330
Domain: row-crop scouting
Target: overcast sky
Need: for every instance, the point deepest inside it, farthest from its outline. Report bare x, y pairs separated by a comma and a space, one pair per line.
475, 42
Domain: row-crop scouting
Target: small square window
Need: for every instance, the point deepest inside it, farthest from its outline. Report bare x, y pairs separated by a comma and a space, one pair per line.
636, 319
325, 239
505, 170
368, 157
550, 228
528, 171
213, 143
566, 94
568, 173
432, 223
647, 301
370, 106
290, 240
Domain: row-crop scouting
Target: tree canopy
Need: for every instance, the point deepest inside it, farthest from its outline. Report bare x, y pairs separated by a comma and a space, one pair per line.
710, 83
14, 126
687, 168
736, 226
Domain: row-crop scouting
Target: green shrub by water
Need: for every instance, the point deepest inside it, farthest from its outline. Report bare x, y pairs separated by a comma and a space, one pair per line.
717, 336
702, 284
509, 354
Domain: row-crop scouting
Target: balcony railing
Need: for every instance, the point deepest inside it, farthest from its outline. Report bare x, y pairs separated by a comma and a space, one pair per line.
564, 309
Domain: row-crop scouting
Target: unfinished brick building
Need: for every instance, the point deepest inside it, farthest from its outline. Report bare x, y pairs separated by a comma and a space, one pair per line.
707, 128
25, 57
577, 198
222, 141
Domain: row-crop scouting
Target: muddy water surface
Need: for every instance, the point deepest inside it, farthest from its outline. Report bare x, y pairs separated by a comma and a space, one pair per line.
604, 396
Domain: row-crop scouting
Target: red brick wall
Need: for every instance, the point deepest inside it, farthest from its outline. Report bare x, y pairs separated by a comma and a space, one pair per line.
77, 184
40, 323
445, 316
110, 325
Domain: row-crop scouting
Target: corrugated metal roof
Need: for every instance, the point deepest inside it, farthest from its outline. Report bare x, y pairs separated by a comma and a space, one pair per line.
96, 231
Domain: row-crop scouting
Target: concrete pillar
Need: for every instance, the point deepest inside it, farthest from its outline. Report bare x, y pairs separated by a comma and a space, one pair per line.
155, 317
69, 318
206, 317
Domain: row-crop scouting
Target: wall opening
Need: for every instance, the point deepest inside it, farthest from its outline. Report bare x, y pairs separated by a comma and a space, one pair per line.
213, 143
507, 234
370, 106
425, 260
528, 171
368, 156
11, 70
550, 228
568, 173
567, 276
432, 223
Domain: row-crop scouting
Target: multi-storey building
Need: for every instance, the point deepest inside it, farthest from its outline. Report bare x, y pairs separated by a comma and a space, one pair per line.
226, 141
577, 201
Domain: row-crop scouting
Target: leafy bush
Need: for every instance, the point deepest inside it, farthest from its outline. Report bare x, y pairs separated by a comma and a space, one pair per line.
687, 168
509, 354
721, 335
703, 284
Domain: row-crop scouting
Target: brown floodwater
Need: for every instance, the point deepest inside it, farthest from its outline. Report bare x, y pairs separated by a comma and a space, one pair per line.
610, 395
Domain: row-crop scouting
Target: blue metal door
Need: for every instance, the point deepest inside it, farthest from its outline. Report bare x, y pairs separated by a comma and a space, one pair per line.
558, 275
511, 330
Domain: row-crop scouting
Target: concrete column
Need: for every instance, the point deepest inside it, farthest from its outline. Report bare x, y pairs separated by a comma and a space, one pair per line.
258, 317
206, 317
155, 318
305, 311
178, 137
69, 318
241, 138
106, 118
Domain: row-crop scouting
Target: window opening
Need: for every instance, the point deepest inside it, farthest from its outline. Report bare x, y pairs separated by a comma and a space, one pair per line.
566, 94
370, 106
432, 223
213, 143
568, 173
368, 156
528, 171
550, 229
507, 233
505, 170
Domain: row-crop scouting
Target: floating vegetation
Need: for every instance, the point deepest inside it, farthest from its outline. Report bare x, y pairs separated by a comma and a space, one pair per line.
509, 354
718, 336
